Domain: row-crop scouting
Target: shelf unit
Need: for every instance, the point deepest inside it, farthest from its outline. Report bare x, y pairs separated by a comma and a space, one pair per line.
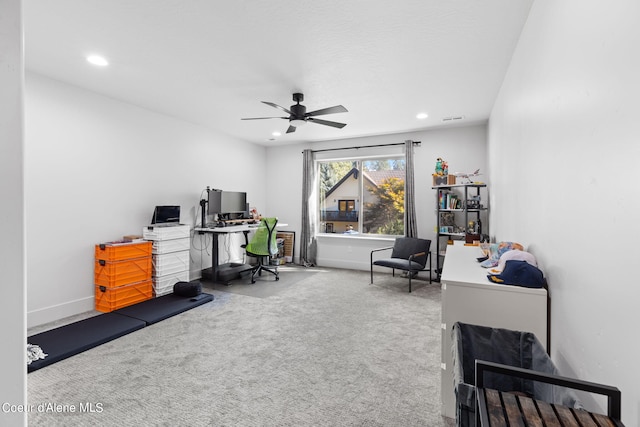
462, 202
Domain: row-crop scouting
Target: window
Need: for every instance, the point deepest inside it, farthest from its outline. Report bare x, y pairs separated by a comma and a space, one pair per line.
346, 205
362, 195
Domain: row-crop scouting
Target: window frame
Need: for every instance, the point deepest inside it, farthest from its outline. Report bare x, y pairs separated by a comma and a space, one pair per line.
359, 201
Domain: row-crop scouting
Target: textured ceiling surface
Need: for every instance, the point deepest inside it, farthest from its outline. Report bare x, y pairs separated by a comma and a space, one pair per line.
212, 62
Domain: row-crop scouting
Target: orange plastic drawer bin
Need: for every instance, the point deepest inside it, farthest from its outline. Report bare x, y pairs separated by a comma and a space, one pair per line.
119, 273
109, 299
120, 251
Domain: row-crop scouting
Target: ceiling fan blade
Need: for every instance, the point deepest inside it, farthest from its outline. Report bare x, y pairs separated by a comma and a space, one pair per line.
330, 110
262, 118
277, 106
326, 123
291, 129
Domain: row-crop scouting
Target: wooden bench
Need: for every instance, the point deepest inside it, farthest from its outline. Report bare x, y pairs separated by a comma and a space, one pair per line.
500, 408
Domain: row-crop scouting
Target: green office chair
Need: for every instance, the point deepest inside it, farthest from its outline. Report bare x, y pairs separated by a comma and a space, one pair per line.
263, 246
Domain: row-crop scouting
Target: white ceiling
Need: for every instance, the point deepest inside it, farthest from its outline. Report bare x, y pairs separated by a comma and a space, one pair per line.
212, 62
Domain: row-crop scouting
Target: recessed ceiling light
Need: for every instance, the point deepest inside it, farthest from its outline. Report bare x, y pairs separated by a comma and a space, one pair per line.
98, 60
276, 133
422, 116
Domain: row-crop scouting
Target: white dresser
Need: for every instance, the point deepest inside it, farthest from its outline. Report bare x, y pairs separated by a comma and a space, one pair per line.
469, 297
170, 256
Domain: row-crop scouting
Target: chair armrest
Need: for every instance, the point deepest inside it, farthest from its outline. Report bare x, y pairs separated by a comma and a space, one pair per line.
371, 258
381, 249
419, 254
613, 394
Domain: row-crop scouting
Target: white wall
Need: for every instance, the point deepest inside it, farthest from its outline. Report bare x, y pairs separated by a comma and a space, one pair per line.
95, 169
564, 155
13, 389
463, 147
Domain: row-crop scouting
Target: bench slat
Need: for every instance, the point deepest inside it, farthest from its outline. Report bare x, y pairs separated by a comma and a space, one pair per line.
512, 410
548, 414
494, 408
566, 416
529, 412
603, 420
584, 418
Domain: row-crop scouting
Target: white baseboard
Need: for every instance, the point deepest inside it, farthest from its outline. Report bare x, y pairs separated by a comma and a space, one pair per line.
342, 263
57, 312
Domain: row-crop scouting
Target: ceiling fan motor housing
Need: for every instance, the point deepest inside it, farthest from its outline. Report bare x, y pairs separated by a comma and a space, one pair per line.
298, 111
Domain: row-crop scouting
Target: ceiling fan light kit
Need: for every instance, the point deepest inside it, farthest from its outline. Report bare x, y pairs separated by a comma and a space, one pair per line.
298, 115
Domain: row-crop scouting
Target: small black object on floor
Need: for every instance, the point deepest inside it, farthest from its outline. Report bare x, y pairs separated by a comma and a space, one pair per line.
69, 340
187, 289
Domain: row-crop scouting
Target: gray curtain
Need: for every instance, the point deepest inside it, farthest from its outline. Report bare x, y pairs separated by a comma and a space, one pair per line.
308, 245
410, 225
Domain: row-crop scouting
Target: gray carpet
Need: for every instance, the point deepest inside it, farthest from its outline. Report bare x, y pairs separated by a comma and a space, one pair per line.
266, 285
328, 350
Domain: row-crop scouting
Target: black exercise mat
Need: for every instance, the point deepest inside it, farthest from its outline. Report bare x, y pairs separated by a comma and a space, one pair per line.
157, 309
66, 341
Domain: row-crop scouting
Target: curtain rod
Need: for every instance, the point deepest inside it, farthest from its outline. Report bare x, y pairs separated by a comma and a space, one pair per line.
364, 146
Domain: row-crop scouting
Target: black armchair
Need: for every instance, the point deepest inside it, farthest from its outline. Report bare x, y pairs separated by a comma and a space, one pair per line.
408, 254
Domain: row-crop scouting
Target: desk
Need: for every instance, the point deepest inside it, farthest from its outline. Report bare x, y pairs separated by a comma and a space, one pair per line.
225, 272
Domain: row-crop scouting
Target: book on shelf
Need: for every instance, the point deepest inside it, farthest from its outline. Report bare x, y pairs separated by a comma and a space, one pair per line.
449, 200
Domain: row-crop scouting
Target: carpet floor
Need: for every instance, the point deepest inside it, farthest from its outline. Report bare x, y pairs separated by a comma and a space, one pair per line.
322, 348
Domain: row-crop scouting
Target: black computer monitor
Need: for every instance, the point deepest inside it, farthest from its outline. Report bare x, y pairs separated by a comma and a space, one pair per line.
166, 214
227, 202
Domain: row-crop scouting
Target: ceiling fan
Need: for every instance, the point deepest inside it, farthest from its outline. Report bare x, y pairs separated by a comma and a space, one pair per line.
298, 115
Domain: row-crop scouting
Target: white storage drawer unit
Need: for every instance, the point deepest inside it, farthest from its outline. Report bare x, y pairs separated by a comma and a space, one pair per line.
168, 246
170, 256
469, 297
157, 232
163, 285
170, 263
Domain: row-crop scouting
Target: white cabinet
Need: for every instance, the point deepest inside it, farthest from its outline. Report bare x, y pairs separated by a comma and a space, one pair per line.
469, 297
170, 256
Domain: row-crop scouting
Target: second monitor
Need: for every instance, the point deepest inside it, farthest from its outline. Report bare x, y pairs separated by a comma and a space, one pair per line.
227, 203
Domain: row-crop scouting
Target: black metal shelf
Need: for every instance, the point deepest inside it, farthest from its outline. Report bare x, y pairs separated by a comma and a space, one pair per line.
474, 211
